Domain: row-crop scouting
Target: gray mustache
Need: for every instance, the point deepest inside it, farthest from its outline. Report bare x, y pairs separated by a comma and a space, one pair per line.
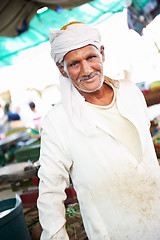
88, 76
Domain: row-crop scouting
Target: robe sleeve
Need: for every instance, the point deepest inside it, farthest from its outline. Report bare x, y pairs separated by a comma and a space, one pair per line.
141, 96
54, 170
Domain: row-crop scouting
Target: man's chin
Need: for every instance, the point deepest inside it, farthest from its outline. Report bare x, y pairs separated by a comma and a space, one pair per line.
89, 90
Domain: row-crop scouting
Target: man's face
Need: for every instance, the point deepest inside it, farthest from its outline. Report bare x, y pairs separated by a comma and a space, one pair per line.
84, 66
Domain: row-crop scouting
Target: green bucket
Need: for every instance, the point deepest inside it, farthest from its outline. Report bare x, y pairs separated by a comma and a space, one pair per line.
13, 225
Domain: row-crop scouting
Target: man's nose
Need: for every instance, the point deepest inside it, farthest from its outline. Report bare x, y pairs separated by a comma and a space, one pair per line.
86, 69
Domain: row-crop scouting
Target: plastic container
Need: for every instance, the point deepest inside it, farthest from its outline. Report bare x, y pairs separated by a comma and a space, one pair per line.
12, 224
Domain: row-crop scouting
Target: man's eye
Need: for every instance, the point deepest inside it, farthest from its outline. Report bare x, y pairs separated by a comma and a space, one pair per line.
90, 57
73, 64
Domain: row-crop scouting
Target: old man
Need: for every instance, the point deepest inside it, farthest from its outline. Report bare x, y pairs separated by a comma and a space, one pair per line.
98, 134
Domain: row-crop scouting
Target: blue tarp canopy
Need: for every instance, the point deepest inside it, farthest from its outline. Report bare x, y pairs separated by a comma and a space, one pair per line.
93, 12
140, 13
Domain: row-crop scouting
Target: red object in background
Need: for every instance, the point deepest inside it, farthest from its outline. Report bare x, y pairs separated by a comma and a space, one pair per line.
145, 91
71, 196
29, 198
35, 180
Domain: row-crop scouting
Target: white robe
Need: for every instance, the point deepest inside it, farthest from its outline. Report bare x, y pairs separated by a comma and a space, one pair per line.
119, 196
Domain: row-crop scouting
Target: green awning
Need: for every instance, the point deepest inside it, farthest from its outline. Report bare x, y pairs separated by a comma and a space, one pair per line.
93, 12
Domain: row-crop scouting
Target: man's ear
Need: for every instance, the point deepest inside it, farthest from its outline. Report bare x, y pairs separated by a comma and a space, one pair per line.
61, 69
102, 53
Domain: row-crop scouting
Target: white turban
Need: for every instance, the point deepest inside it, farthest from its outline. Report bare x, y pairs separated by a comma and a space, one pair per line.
74, 36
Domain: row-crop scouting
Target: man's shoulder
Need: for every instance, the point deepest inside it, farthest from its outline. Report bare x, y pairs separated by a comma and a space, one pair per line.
56, 116
129, 90
125, 83
56, 111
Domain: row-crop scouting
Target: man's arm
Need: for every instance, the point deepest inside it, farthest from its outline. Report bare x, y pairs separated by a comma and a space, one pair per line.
141, 96
54, 178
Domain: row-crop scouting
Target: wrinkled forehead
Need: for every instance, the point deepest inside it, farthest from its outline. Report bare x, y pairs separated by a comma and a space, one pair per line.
89, 49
